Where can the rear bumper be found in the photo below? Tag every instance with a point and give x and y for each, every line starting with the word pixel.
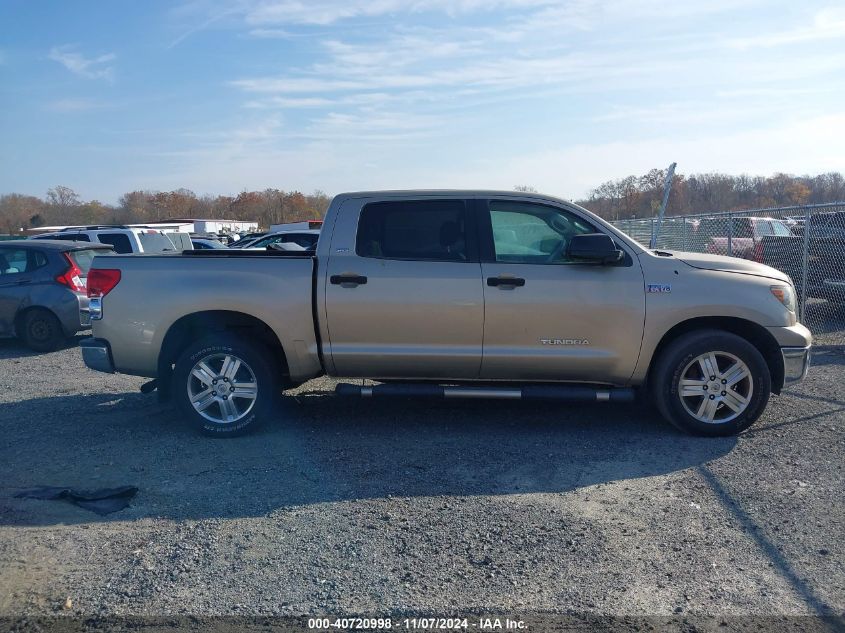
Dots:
pixel 97 354
pixel 796 364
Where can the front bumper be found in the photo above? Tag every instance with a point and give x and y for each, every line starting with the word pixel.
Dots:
pixel 796 364
pixel 97 354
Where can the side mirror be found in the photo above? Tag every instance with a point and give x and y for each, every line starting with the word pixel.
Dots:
pixel 598 248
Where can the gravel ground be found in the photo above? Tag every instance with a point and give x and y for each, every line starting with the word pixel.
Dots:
pixel 415 506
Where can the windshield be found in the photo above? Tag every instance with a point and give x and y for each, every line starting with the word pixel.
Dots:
pixel 155 242
pixel 201 244
pixel 305 240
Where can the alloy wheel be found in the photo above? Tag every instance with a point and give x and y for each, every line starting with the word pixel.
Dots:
pixel 222 388
pixel 716 387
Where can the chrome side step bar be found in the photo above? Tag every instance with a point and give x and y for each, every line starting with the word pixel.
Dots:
pixel 568 393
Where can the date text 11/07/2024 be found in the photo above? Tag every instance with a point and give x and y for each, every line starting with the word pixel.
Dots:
pixel 418 624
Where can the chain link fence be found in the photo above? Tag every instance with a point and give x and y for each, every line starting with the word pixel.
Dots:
pixel 806 242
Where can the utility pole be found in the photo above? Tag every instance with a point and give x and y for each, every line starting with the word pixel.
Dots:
pixel 667 187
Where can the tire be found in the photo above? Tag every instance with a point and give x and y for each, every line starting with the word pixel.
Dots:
pixel 41 331
pixel 215 413
pixel 726 406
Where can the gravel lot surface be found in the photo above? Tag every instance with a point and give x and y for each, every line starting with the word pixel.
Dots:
pixel 343 506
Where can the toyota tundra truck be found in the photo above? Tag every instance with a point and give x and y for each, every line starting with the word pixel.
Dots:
pixel 452 294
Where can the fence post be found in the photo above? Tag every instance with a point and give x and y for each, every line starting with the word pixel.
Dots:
pixel 651 242
pixel 805 263
pixel 684 234
pixel 730 234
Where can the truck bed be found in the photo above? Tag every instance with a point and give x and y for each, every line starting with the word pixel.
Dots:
pixel 156 291
pixel 226 253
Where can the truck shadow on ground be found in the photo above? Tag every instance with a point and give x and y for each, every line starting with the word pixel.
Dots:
pixel 12 348
pixel 323 448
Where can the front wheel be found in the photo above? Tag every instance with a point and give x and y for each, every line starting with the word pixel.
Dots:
pixel 225 384
pixel 711 383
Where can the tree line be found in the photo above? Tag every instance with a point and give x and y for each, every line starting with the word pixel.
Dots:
pixel 641 196
pixel 631 197
pixel 63 206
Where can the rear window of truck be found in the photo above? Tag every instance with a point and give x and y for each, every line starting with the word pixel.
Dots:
pixel 721 227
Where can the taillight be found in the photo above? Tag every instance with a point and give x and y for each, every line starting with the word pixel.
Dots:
pixel 757 255
pixel 101 281
pixel 72 277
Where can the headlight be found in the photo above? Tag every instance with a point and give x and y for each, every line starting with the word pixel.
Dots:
pixel 786 295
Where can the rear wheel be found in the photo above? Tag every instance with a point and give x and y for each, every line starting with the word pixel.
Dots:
pixel 711 383
pixel 225 385
pixel 41 330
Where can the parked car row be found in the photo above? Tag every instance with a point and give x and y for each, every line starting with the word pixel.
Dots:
pixel 122 239
pixel 781 244
pixel 43 279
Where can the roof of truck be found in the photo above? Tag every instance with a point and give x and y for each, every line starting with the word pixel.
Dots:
pixel 463 193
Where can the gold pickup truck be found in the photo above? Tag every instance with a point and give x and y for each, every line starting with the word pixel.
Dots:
pixel 452 294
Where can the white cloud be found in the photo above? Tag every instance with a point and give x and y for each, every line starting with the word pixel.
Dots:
pixel 279 34
pixel 827 24
pixel 421 96
pixel 289 102
pixel 335 165
pixel 90 68
pixel 326 12
pixel 806 146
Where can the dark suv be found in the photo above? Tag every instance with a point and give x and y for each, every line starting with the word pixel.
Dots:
pixel 43 297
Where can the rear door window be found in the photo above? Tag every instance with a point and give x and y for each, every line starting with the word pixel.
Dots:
pixel 781 229
pixel 764 227
pixel 427 230
pixel 155 242
pixel 119 241
pixel 742 227
pixel 14 261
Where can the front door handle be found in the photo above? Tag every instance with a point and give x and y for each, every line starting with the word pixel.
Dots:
pixel 348 279
pixel 505 281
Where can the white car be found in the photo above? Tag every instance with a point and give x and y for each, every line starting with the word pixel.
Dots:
pixel 123 239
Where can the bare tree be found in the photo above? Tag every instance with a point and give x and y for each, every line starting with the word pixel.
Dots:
pixel 63 203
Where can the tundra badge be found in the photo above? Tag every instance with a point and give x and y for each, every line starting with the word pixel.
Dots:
pixel 564 341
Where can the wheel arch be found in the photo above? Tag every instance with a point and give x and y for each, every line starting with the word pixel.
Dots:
pixel 193 326
pixel 755 334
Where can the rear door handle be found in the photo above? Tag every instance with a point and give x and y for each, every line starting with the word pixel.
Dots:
pixel 352 280
pixel 505 281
